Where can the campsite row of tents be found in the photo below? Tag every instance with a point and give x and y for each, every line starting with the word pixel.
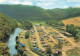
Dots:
pixel 42 36
pixel 34 42
pixel 23 46
pixel 33 39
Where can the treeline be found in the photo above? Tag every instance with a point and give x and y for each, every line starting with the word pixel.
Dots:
pixel 26 24
pixel 60 14
pixel 36 13
pixel 74 31
pixel 7 26
pixel 18 48
pixel 54 23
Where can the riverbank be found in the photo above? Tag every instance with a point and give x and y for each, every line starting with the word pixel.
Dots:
pixel 22 40
pixel 4 49
pixel 12 41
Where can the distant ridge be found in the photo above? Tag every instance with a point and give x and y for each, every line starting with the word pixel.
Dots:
pixel 37 13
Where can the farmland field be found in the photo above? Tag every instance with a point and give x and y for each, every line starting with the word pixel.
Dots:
pixel 75 21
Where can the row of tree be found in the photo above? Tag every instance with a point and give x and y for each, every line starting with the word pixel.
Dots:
pixel 54 22
pixel 19 48
pixel 73 30
pixel 26 24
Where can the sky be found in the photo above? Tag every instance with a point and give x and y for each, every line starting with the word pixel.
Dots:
pixel 46 4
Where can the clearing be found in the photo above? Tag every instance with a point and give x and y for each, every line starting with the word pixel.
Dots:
pixel 75 21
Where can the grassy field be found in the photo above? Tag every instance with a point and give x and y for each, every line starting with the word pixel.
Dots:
pixel 74 52
pixel 41 22
pixel 75 21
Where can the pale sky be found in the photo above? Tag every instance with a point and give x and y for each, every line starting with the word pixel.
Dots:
pixel 47 4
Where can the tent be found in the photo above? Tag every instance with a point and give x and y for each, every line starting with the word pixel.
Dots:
pixel 42 39
pixel 20 43
pixel 34 37
pixel 60 37
pixel 36 48
pixel 23 45
pixel 60 40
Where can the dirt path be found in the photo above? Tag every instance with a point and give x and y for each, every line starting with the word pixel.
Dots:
pixel 38 38
pixel 24 41
pixel 64 54
pixel 65 48
pixel 64 37
pixel 49 35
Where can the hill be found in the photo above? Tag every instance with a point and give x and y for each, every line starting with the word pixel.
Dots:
pixel 7 26
pixel 61 14
pixel 23 12
pixel 74 20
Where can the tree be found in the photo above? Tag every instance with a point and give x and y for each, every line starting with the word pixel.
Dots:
pixel 48 51
pixel 26 24
pixel 77 36
pixel 17 54
pixel 27 34
pixel 16 46
pixel 24 55
pixel 71 29
pixel 17 42
pixel 20 51
pixel 40 24
pixel 16 37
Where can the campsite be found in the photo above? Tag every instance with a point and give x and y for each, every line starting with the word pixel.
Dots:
pixel 39 28
pixel 44 36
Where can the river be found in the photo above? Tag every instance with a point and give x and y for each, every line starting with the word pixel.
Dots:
pixel 12 41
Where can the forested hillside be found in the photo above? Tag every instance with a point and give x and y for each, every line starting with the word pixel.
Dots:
pixel 64 13
pixel 36 13
pixel 7 26
pixel 24 12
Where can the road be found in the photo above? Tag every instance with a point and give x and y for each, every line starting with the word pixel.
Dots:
pixel 38 38
pixel 24 41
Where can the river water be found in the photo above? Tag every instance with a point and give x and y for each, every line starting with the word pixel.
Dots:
pixel 12 41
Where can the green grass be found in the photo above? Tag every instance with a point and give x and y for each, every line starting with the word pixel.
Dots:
pixel 29 43
pixel 74 52
pixel 41 22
